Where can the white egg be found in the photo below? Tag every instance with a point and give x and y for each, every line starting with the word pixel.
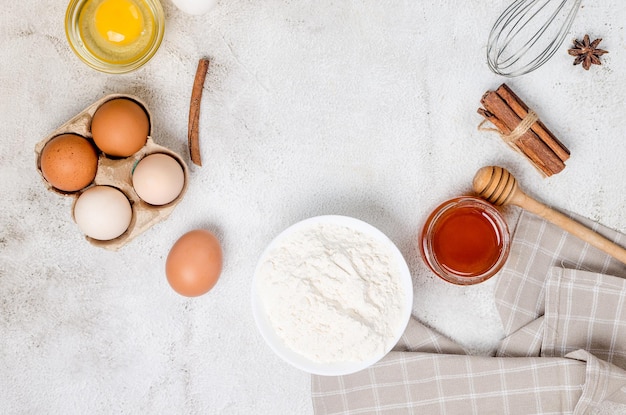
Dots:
pixel 195 7
pixel 102 212
pixel 158 179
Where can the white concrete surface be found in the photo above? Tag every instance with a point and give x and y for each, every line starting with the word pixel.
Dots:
pixel 361 108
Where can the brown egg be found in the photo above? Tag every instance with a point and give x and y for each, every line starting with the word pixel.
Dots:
pixel 69 162
pixel 194 263
pixel 120 127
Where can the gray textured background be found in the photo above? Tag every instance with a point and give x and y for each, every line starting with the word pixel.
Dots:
pixel 360 108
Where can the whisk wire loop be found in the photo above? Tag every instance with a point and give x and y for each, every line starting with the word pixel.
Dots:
pixel 527 34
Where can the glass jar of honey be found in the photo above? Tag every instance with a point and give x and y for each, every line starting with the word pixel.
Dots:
pixel 465 240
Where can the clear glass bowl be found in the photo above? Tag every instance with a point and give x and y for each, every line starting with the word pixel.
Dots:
pixel 111 58
pixel 465 240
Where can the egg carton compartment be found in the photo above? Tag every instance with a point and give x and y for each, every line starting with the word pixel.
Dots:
pixel 117 173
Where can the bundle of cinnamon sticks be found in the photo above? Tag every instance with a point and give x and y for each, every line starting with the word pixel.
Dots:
pixel 522 129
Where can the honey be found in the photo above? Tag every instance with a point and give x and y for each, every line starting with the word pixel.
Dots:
pixel 465 240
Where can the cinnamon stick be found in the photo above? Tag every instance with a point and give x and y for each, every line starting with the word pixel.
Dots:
pixel 529 143
pixel 521 110
pixel 193 131
pixel 494 120
pixel 510 115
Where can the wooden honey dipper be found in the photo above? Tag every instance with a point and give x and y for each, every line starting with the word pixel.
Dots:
pixel 498 186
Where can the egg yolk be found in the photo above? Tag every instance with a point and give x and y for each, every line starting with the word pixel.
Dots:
pixel 119 21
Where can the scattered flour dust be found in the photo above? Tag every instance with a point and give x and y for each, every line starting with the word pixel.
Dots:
pixel 333 294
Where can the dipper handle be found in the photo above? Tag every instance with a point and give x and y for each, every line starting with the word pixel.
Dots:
pixel 499 187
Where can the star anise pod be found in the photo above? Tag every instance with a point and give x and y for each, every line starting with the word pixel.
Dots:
pixel 587 52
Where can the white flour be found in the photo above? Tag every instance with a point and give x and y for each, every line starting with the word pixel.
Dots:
pixel 332 294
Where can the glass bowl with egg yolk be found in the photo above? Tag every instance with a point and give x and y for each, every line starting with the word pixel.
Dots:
pixel 115 36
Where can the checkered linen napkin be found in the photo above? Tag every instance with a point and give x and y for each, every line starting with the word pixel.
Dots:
pixel 563 308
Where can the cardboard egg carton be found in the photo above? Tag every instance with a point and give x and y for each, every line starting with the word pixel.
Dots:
pixel 117 173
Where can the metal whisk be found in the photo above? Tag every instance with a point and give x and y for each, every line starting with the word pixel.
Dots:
pixel 528 33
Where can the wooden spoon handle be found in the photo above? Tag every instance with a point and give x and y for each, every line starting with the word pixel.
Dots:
pixel 564 222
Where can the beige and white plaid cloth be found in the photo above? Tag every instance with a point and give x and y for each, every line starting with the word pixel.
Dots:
pixel 563 308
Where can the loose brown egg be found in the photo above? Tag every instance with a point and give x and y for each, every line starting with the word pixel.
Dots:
pixel 69 162
pixel 120 127
pixel 194 263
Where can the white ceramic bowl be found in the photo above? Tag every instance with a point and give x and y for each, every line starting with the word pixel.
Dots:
pixel 298 360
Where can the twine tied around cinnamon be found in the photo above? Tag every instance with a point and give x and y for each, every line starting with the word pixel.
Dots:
pixel 521 129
